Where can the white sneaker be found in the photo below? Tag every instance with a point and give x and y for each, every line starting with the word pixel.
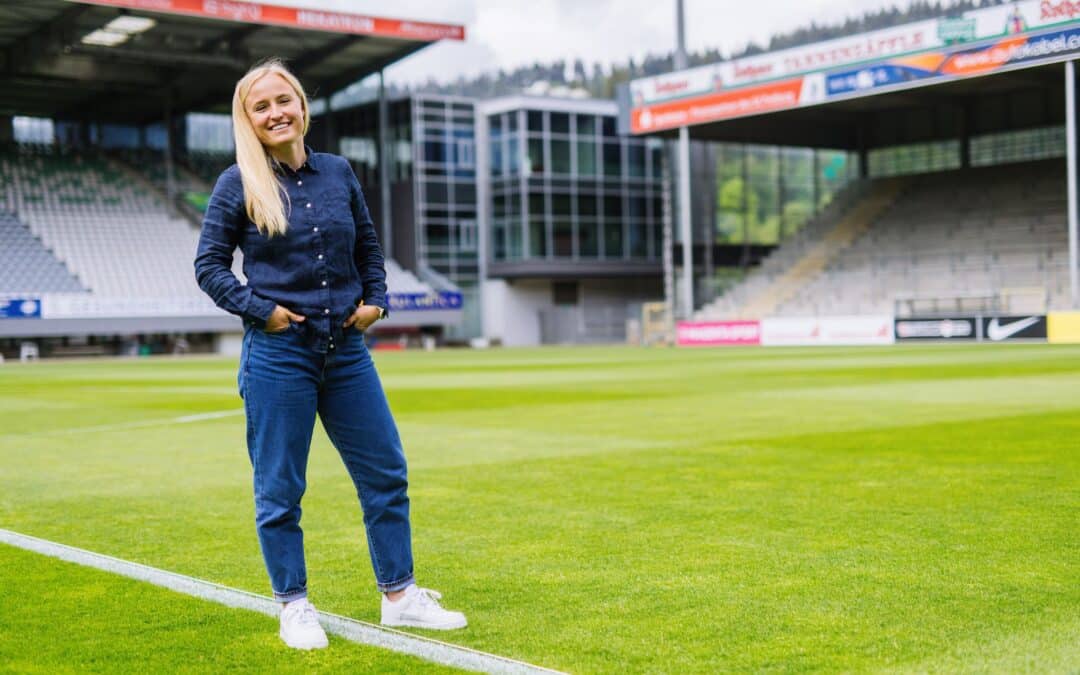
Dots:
pixel 300 627
pixel 419 608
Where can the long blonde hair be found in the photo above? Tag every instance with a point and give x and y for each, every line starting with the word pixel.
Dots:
pixel 263 194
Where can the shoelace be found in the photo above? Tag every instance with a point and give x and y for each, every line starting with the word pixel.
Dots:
pixel 307 615
pixel 428 597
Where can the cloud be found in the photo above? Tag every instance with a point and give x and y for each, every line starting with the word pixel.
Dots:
pixel 510 33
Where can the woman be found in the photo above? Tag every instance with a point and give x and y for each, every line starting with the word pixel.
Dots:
pixel 316 281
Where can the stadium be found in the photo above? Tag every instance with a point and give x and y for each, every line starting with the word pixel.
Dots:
pixel 796 394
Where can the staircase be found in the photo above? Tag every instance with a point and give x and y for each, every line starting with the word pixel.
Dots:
pixel 817 254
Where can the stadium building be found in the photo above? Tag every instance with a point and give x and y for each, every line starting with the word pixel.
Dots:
pixel 962 224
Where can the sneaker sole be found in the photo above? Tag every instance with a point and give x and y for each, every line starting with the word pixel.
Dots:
pixel 419 624
pixel 305 647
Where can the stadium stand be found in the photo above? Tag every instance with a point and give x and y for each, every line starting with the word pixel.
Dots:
pixel 27 266
pixel 975 240
pixel 116 236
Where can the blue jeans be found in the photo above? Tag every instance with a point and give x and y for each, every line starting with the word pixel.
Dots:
pixel 284 383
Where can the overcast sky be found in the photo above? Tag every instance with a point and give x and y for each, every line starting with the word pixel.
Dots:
pixel 509 33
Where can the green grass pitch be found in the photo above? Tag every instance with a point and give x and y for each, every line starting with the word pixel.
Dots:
pixel 904 509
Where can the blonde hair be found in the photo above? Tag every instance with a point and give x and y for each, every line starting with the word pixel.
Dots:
pixel 262 191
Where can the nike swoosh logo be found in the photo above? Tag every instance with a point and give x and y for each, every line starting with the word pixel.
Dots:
pixel 996 331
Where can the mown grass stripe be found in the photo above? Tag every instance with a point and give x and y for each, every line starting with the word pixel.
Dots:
pixel 355 631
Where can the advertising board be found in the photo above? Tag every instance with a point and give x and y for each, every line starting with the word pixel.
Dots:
pixel 717 333
pixel 951 328
pixel 1002 328
pixel 1063 327
pixel 294 17
pixel 976 42
pixel 20 308
pixel 840 330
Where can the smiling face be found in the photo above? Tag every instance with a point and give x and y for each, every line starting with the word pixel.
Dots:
pixel 276 112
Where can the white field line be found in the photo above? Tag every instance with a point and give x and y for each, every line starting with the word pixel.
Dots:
pixel 355 631
pixel 141 424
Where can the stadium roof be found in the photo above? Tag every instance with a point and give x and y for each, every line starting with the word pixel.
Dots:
pixel 981 71
pixel 72 59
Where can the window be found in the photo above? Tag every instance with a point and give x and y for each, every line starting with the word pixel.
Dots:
pixel 587 206
pixel 535 120
pixel 560 123
pixel 435 193
pixel 536 155
pixel 464 153
pixel 465 193
pixel 586 158
pixel 563 238
pixel 612 160
pixel 613 240
pixel 467 235
pixel 560 205
pixel 635 160
pixel 434 151
pixel 613 207
pixel 560 156
pixel 608 126
pixel 564 292
pixel 639 243
pixel 586 125
pixel 537 238
pixel 588 239
pixel 496 158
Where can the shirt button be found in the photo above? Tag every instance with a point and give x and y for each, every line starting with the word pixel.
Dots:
pixel 324 282
pixel 299 182
pixel 309 205
pixel 326 311
pixel 316 229
pixel 320 256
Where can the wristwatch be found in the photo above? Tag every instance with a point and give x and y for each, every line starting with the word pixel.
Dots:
pixel 382 312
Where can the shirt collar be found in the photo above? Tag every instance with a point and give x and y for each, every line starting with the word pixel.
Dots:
pixel 311 163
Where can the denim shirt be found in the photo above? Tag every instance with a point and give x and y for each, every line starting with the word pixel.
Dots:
pixel 327 261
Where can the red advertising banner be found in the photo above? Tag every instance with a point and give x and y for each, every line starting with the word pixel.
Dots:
pixel 294 17
pixel 717 333
pixel 718 106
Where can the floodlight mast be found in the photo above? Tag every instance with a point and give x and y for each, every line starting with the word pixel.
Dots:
pixel 1070 153
pixel 685 231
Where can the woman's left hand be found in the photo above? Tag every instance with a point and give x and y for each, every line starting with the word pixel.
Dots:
pixel 363 317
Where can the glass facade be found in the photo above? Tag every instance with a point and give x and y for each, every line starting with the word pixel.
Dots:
pixel 767 193
pixel 565 186
pixel 445 190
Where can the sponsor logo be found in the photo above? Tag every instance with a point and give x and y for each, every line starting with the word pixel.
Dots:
pixel 236 11
pixel 856 49
pixel 1066 9
pixel 720 333
pixel 20 309
pixel 752 71
pixel 944 328
pixel 956 30
pixel 662 89
pixel 335 22
pixel 996 331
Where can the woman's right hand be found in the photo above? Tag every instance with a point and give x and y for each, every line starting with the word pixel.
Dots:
pixel 280 318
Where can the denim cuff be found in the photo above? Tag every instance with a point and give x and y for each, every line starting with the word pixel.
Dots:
pixel 399 585
pixel 290 595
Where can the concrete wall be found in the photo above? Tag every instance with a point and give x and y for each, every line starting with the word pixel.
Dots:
pixel 513 310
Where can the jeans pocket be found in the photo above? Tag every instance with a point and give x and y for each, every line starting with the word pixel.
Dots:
pixel 286 329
